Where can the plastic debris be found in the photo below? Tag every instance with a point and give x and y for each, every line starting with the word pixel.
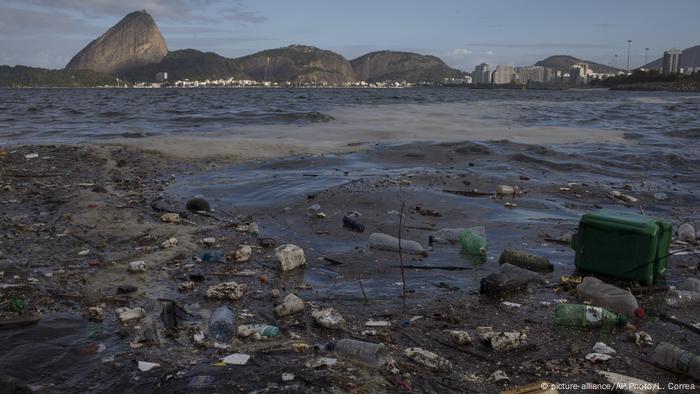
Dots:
pixel 677 359
pixel 227 290
pixel 351 223
pixel 290 256
pixel 96 313
pixel 366 353
pixel 473 241
pixel 236 359
pixel 170 218
pixel 287 377
pixel 525 260
pixel 427 359
pixel 145 366
pixel 258 330
pixel 460 337
pixel 623 197
pixel 641 338
pixel 501 341
pixel 210 241
pixel 242 254
pixel 126 314
pixel 290 304
pixel 169 243
pixel 137 266
pixel 505 190
pixel 329 318
pixel 385 242
pixel 597 357
pixel 601 347
pixel 31 156
pixel 628 384
pixel 499 376
pixel 686 232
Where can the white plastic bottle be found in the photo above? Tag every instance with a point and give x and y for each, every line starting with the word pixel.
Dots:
pixel 609 297
pixel 371 354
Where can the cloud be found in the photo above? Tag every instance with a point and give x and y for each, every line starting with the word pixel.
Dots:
pixel 543 45
pixel 461 52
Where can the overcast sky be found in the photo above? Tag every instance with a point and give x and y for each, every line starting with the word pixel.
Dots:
pixel 47 33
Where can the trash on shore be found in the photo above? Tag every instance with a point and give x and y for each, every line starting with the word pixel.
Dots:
pixel 677 359
pixel 623 197
pixel 473 241
pixel 576 315
pixel 170 217
pixel 236 359
pixel 597 357
pixel 525 260
pixel 460 337
pixel 511 279
pixel 329 318
pixel 96 313
pixel 169 243
pixel 227 290
pixel 686 232
pixel 601 347
pixel 366 353
pixel 290 304
pixel 290 256
pixel 258 330
pixel 145 366
pixel 385 242
pixel 642 338
pixel 137 267
pixel 610 297
pixel 501 341
pixel 241 255
pixel 506 190
pixel 321 362
pixel 628 384
pixel 499 376
pixel 427 359
pixel 222 324
pixel 126 314
pixel 351 223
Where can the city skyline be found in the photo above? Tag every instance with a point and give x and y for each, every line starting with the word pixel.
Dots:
pixel 46 33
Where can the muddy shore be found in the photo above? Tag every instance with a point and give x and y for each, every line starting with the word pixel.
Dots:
pixel 73 217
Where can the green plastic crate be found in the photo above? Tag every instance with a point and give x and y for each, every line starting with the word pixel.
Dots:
pixel 622 245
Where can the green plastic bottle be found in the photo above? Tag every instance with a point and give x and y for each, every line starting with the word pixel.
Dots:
pixel 577 315
pixel 473 241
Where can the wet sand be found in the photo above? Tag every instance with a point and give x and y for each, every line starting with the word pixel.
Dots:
pixel 50 214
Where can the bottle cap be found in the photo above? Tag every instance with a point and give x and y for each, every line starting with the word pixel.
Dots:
pixel 640 313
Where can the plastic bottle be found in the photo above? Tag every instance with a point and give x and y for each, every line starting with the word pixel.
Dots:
pixel 689 284
pixel 264 330
pixel 686 232
pixel 221 324
pixel 609 297
pixel 367 353
pixel 678 298
pixel 446 236
pixel 381 241
pixel 473 241
pixel 525 260
pixel 531 276
pixel 677 359
pixel 577 315
pixel 505 190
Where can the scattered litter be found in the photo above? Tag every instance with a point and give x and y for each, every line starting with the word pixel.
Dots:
pixel 628 384
pixel 257 330
pixel 126 314
pixel 509 304
pixel 137 266
pixel 321 362
pixel 525 260
pixel 427 359
pixel 236 359
pixel 686 232
pixel 227 290
pixel 211 241
pixel 351 223
pixel 84 252
pixel 242 254
pixel 31 156
pixel 329 318
pixel 505 190
pixel 186 286
pixel 291 304
pixel 498 377
pixel 287 377
pixel 501 341
pixel 623 197
pixel 145 366
pixel 96 313
pixel 601 347
pixel 169 243
pixel 385 242
pixel 460 337
pixel 377 323
pixel 642 338
pixel 290 256
pixel 170 217
pixel 597 357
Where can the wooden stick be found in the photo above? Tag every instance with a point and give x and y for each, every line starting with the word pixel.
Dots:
pixel 403 273
pixel 363 290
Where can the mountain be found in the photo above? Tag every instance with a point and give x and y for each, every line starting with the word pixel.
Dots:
pixel 22 76
pixel 188 64
pixel 563 63
pixel 401 66
pixel 134 41
pixel 297 63
pixel 690 58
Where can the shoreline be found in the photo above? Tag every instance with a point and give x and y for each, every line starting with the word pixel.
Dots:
pixel 56 215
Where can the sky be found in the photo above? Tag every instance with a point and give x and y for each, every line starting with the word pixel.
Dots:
pixel 47 33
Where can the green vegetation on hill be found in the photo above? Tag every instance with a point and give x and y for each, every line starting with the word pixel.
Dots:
pixel 652 80
pixel 187 64
pixel 563 63
pixel 384 66
pixel 22 77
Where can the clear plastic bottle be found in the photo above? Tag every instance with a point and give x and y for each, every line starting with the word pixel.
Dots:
pixel 473 241
pixel 677 359
pixel 381 241
pixel 367 353
pixel 222 324
pixel 608 296
pixel 577 315
pixel 678 298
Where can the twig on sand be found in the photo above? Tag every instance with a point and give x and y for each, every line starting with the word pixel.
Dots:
pixel 363 289
pixel 403 273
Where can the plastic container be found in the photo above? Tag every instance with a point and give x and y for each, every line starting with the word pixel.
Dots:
pixel 677 359
pixel 623 245
pixel 679 298
pixel 576 315
pixel 450 236
pixel 222 324
pixel 386 242
pixel 525 260
pixel 531 276
pixel 609 297
pixel 264 330
pixel 367 353
pixel 473 241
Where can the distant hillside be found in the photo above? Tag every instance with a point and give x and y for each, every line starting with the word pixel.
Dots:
pixel 133 42
pixel 401 66
pixel 563 63
pixel 297 63
pixel 188 64
pixel 690 58
pixel 22 76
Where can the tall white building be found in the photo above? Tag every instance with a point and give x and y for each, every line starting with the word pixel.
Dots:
pixel 530 74
pixel 672 61
pixel 579 73
pixel 503 75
